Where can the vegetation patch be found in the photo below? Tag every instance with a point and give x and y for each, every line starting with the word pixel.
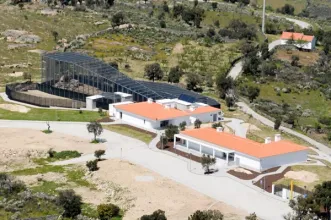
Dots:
pixel 77 176
pixel 48 187
pixel 132 132
pixel 40 169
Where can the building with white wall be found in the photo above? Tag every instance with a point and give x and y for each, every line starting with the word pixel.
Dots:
pixel 229 149
pixel 299 40
pixel 159 114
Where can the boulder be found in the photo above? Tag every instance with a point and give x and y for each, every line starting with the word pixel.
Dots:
pixel 286 90
pixel 99 23
pixel 48 12
pixel 277 89
pixel 29 38
pixel 307 113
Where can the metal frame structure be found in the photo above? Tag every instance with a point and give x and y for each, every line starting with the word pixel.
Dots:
pixel 98 77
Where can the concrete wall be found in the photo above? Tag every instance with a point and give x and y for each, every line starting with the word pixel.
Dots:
pixel 205 117
pixel 307 46
pixel 279 160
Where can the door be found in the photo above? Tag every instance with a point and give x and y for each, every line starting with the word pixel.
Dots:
pixel 215 117
pixel 121 114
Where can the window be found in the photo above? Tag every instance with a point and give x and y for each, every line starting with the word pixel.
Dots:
pixel 144 121
pixel 121 114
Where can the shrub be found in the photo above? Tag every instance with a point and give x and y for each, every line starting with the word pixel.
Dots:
pixel 163 141
pixel 92 165
pixel 107 211
pixel 156 215
pixel 66 154
pixel 197 123
pixel 163 24
pixel 325 120
pixel 70 202
pixel 278 122
pixel 206 215
pixel 10 186
pixel 51 153
pixel 99 153
pixel 182 126
pixel 216 125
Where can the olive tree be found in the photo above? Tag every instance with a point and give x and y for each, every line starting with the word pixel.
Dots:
pixel 95 128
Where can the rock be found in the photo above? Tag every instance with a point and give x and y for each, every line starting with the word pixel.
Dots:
pixel 299 86
pixel 286 90
pixel 299 107
pixel 13 34
pixel 38 51
pixel 99 23
pixel 30 38
pixel 307 113
pixel 277 89
pixel 20 36
pixel 48 12
pixel 16 46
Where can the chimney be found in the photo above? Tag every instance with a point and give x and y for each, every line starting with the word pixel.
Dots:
pixel 149 100
pixel 267 140
pixel 192 108
pixel 278 137
pixel 219 129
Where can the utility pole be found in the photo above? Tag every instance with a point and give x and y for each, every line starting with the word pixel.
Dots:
pixel 263 18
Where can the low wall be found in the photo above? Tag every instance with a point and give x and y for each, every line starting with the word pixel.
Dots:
pixel 40 101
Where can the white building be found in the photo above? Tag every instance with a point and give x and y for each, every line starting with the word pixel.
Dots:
pixel 300 40
pixel 229 149
pixel 163 112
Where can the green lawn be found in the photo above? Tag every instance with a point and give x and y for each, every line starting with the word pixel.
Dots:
pixel 40 169
pixel 48 187
pixel 131 132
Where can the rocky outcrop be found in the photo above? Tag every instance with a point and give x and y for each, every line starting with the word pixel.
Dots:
pixel 20 36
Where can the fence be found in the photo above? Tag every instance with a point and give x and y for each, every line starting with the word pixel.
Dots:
pixel 41 101
pixel 284 191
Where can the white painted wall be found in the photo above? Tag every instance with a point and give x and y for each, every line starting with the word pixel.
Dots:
pixel 248 162
pixel 90 104
pixel 279 160
pixel 138 121
pixel 177 121
pixel 205 117
pixel 307 46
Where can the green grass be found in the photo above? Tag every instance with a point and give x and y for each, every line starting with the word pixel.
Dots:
pixel 131 132
pixel 77 176
pixel 39 170
pixel 225 17
pixel 89 210
pixel 324 174
pixel 49 115
pixel 48 187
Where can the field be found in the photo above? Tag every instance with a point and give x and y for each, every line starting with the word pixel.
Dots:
pixel 306 58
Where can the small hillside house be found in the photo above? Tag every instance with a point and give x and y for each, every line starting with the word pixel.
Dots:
pixel 301 41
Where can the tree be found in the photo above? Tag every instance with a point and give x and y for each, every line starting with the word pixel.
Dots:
pixel 206 162
pixel 170 131
pixel 110 3
pixel 163 141
pixel 21 5
pixel 295 60
pixel 252 216
pixel 207 215
pixel 117 19
pixel 199 14
pixel 229 101
pixel 182 126
pixel 95 128
pixel 322 195
pixel 193 82
pixel 214 5
pixel 165 7
pixel 196 2
pixel 269 68
pixel 153 71
pixel 217 23
pixel 264 50
pixel 177 10
pixel 92 165
pixel 223 84
pixel 253 93
pixel 156 215
pixel 70 202
pixel 99 153
pixel 197 123
pixel 175 74
pixel 278 122
pixel 303 209
pixel 55 35
pixel 107 211
pixel 163 24
pixel 286 9
pixel 211 32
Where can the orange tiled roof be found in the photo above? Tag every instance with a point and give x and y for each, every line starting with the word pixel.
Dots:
pixel 296 36
pixel 157 111
pixel 243 145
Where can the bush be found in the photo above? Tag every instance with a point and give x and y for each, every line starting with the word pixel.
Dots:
pixel 277 124
pixel 51 153
pixel 107 211
pixel 163 141
pixel 197 123
pixel 10 186
pixel 157 215
pixel 325 120
pixel 216 125
pixel 67 154
pixel 70 202
pixel 92 165
pixel 163 24
pixel 99 153
pixel 182 126
pixel 206 215
pixel 171 131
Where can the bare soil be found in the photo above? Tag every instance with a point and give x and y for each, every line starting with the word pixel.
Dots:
pixel 306 58
pixel 15 108
pixel 144 191
pixel 303 176
pixel 42 94
pixel 20 146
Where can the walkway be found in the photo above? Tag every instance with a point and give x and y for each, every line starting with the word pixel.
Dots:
pixel 171 166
